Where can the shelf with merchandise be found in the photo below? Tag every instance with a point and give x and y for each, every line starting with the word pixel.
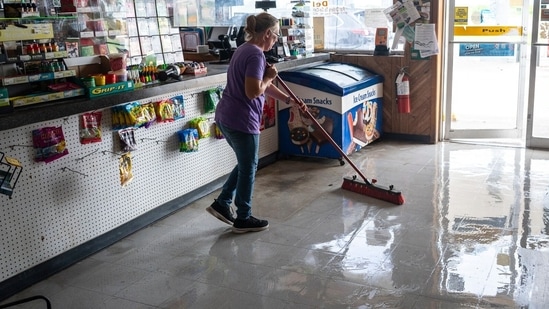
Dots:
pixel 33 68
pixel 20 8
pixel 300 33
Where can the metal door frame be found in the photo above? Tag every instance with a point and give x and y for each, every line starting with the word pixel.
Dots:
pixel 531 141
pixel 448 133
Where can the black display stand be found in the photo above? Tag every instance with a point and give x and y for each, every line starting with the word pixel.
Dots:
pixel 381 50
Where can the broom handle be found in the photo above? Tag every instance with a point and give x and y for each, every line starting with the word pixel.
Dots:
pixel 330 139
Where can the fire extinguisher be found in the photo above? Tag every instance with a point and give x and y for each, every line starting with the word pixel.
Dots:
pixel 403 92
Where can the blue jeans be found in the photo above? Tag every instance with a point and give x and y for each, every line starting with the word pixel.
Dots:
pixel 240 184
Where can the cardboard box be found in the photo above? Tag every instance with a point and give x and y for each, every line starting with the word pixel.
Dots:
pixel 196 71
pixel 318 25
pixel 88 66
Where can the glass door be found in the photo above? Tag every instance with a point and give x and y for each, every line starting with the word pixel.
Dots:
pixel 486 69
pixel 537 132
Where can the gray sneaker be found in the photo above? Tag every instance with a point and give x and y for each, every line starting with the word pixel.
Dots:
pixel 220 212
pixel 249 225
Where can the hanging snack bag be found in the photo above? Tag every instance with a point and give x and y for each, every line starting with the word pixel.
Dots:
pixel 49 144
pixel 211 98
pixel 164 111
pixel 118 117
pixel 127 137
pixel 217 132
pixel 178 107
pixel 188 140
pixel 134 115
pixel 202 125
pixel 125 168
pixel 149 114
pixel 90 128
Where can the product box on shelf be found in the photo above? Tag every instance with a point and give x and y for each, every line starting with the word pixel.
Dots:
pixel 196 71
pixel 4 98
pixel 46 97
pixel 99 91
pixel 23 79
pixel 89 65
pixel 195 68
pixel 28 32
pixel 100 68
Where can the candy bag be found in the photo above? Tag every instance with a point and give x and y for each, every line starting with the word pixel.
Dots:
pixel 125 168
pixel 90 128
pixel 127 137
pixel 49 144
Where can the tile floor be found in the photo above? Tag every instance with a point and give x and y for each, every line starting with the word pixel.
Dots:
pixel 473 233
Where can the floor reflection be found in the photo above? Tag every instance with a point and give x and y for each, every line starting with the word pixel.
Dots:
pixel 473 233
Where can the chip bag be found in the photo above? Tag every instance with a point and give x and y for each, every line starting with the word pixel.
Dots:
pixel 125 168
pixel 211 98
pixel 90 128
pixel 188 140
pixel 201 125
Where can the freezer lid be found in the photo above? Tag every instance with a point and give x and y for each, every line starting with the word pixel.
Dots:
pixel 336 78
pixel 352 73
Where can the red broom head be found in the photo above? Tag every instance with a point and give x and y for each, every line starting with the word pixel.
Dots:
pixel 376 191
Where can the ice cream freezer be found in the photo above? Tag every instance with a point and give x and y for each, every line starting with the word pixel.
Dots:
pixel 345 99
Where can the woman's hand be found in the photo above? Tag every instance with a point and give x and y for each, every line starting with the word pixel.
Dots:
pixel 302 106
pixel 270 72
pixel 255 88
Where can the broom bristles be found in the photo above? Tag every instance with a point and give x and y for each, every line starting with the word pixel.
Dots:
pixel 376 191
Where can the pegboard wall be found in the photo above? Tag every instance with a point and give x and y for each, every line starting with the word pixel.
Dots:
pixel 60 205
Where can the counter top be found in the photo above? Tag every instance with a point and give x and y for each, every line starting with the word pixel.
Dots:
pixel 25 115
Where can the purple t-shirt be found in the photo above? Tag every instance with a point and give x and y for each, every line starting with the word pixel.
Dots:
pixel 235 110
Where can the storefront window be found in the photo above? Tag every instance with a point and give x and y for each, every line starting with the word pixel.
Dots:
pixel 348 25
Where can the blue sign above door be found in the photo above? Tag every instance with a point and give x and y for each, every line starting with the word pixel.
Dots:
pixel 487 49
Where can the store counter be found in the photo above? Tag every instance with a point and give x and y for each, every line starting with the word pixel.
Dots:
pixel 21 116
pixel 97 193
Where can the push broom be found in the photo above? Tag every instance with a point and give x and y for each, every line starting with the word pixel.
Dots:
pixel 364 187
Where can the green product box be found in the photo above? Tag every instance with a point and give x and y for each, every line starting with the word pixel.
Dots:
pixel 4 99
pixel 86 51
pixel 108 89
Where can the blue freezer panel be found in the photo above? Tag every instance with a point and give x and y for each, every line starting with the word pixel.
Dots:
pixel 335 78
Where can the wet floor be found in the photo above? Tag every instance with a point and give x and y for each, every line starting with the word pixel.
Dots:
pixel 473 233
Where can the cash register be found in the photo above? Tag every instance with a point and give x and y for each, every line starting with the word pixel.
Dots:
pixel 222 42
